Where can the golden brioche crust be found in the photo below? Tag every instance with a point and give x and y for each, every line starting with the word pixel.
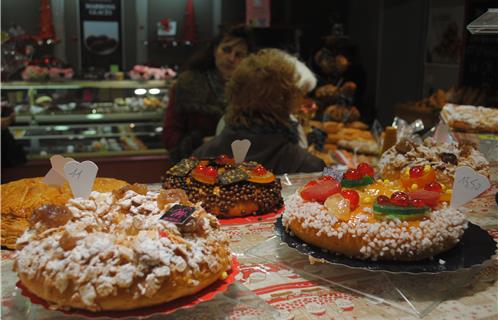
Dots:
pixel 364 236
pixel 350 246
pixel 181 286
pixel 21 197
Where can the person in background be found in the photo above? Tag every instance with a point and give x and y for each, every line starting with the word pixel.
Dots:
pixel 197 100
pixel 262 94
pixel 306 82
pixel 12 153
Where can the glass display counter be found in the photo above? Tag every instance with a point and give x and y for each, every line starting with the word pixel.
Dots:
pixel 107 120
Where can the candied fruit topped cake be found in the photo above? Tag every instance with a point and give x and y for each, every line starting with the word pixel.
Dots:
pixel 443 157
pixel 404 219
pixel 225 188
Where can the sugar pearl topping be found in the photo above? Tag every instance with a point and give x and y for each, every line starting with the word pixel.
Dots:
pixel 118 243
pixel 381 237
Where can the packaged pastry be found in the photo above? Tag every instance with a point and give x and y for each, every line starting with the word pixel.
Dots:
pixel 225 188
pixel 124 250
pixel 377 220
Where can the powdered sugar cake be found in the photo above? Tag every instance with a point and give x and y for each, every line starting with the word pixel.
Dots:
pixel 471 118
pixel 95 254
pixel 443 157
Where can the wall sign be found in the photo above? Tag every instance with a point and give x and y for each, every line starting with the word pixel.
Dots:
pixel 100 25
pixel 258 13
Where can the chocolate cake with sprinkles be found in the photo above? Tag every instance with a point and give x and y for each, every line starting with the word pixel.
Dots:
pixel 226 189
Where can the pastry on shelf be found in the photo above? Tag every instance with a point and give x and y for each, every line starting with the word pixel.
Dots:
pixel 443 157
pixel 325 154
pixel 21 197
pixel 132 143
pixel 376 220
pixel 357 125
pixel 225 188
pixel 360 146
pixel 342 113
pixel 332 126
pixel 121 250
pixel 471 118
pixel 328 90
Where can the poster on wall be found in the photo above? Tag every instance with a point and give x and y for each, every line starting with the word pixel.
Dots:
pixel 445 34
pixel 100 25
pixel 258 13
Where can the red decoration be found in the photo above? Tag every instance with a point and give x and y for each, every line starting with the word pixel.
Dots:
pixel 251 219
pixel 189 27
pixel 165 23
pixel 47 31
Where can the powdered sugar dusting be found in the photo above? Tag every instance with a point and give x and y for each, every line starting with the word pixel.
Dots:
pixel 118 243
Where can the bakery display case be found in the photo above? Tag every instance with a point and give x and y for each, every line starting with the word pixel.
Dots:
pixel 103 120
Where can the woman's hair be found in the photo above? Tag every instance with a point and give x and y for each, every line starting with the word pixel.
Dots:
pixel 264 90
pixel 204 59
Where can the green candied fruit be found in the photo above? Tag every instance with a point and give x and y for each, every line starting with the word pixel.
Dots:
pixel 398 211
pixel 415 216
pixel 182 168
pixel 365 181
pixel 232 176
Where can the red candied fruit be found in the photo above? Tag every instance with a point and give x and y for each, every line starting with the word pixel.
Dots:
pixel 433 186
pixel 401 199
pixel 326 178
pixel 311 183
pixel 163 234
pixel 320 190
pixel 224 159
pixel 416 172
pixel 383 200
pixel 365 170
pixel 211 171
pixel 200 168
pixel 353 197
pixel 352 174
pixel 259 171
pixel 417 203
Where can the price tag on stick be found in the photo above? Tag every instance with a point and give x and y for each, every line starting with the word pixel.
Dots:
pixel 53 178
pixel 468 184
pixel 239 149
pixel 442 133
pixel 81 177
pixel 55 175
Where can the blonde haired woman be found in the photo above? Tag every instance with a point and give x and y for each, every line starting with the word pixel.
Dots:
pixel 264 90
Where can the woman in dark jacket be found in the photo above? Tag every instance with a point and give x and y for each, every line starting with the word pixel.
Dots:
pixel 197 99
pixel 262 93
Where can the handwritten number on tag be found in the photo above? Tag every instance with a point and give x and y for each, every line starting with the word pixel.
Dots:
pixel 76 173
pixel 470 183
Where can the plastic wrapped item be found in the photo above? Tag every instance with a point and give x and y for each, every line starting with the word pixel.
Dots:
pixel 408 131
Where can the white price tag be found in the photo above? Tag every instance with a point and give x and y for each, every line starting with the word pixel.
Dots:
pixel 55 176
pixel 442 133
pixel 468 184
pixel 81 177
pixel 240 149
